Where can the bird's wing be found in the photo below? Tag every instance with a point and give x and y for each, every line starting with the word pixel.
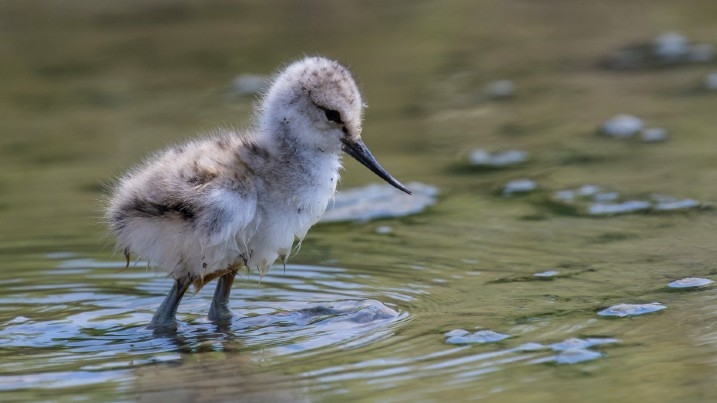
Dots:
pixel 227 215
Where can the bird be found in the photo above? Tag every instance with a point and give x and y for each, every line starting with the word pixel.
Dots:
pixel 233 199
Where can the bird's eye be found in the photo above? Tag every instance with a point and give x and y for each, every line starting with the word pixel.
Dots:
pixel 333 116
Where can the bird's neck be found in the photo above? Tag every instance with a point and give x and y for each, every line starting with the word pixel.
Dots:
pixel 298 164
pixel 287 140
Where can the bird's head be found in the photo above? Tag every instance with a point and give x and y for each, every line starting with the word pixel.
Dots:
pixel 315 102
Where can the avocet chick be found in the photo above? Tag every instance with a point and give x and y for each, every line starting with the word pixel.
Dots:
pixel 204 209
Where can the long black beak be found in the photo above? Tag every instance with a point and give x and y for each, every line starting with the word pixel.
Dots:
pixel 361 153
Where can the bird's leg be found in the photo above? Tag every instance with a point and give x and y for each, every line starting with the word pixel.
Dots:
pixel 165 316
pixel 219 310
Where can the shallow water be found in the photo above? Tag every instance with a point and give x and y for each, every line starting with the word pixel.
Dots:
pixel 389 310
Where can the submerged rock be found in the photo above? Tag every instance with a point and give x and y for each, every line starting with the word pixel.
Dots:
pixel 622 310
pixel 499 159
pixel 379 201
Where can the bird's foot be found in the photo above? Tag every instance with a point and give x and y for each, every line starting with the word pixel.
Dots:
pixel 163 327
pixel 220 315
pixel 219 311
pixel 165 318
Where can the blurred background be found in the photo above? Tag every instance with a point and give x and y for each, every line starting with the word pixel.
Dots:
pixel 571 144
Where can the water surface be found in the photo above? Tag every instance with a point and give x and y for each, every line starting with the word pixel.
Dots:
pixel 365 311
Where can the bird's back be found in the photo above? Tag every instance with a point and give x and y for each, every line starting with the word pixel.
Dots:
pixel 185 209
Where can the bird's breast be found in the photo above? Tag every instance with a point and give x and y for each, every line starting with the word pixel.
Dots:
pixel 312 197
pixel 289 206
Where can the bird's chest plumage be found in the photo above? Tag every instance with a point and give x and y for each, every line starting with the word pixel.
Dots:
pixel 311 194
pixel 287 211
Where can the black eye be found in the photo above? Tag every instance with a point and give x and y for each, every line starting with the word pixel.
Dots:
pixel 333 116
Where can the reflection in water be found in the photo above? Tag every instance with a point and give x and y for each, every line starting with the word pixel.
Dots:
pixel 298 315
pixel 216 378
pixel 294 313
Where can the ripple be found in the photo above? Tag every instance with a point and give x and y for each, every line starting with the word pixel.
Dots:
pixel 460 336
pixel 575 343
pixel 576 355
pixel 461 363
pixel 59 379
pixel 306 309
pixel 596 201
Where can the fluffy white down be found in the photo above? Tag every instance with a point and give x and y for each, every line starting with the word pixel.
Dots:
pixel 257 225
pixel 242 198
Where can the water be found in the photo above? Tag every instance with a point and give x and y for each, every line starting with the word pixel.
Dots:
pixel 362 313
